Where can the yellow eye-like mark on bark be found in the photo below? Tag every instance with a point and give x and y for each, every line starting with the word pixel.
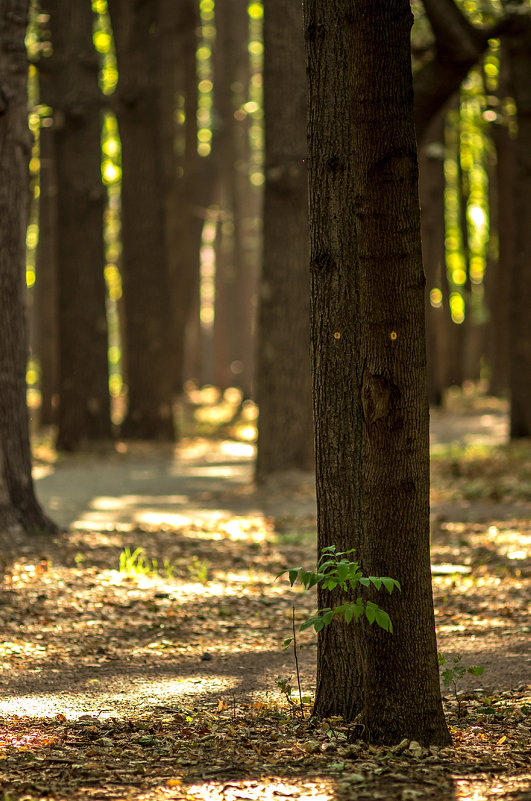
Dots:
pixel 337 335
pixel 393 335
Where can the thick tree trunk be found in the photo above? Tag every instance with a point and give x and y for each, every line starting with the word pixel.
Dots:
pixel 369 366
pixel 285 433
pixel 144 263
pixel 519 51
pixel 84 405
pixel 17 498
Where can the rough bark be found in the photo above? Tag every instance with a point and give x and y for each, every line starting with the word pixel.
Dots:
pixel 73 92
pixel 17 497
pixel 283 381
pixel 519 52
pixel 369 366
pixel 144 263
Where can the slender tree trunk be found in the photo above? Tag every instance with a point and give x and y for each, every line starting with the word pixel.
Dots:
pixel 369 365
pixel 84 408
pixel 431 192
pixel 183 184
pixel 519 51
pixel 285 433
pixel 144 264
pixel 499 281
pixel 17 498
pixel 46 289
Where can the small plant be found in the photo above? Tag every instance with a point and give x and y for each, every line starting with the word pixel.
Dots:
pixel 451 676
pixel 334 569
pixel 134 563
pixel 198 570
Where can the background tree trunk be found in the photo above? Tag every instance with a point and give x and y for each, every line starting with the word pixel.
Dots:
pixel 519 52
pixel 369 367
pixel 150 365
pixel 84 406
pixel 285 433
pixel 17 497
pixel 46 289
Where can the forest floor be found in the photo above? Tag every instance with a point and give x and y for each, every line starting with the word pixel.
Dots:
pixel 159 673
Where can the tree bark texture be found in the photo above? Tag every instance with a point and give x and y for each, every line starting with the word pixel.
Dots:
pixel 17 498
pixel 150 365
pixel 369 365
pixel 74 94
pixel 285 433
pixel 519 52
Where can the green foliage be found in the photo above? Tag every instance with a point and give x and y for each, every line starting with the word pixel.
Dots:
pixel 198 570
pixel 135 563
pixel 335 570
pixel 452 675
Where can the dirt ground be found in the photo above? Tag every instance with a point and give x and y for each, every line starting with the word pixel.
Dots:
pixel 188 629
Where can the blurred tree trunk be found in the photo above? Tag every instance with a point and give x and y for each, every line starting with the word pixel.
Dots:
pixel 46 289
pixel 74 94
pixel 431 192
pixel 519 52
pixel 150 365
pixel 499 271
pixel 184 182
pixel 229 148
pixel 18 503
pixel 285 432
pixel 369 364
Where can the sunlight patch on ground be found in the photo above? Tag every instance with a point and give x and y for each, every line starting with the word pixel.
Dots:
pixel 162 691
pixel 257 790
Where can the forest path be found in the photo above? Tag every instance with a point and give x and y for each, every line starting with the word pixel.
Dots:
pixel 200 478
pixel 150 673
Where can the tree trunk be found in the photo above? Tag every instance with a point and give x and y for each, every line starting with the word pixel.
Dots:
pixel 519 51
pixel 144 263
pixel 183 184
pixel 17 498
pixel 84 404
pixel 431 190
pixel 46 289
pixel 369 365
pixel 499 280
pixel 285 433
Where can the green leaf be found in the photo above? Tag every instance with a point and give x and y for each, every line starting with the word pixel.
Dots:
pixel 343 570
pixel 390 584
pixel 348 614
pixel 293 574
pixel 305 576
pixel 287 643
pixel 448 677
pixel 476 670
pixel 370 611
pixel 319 623
pixel 364 581
pixel 376 581
pixel 328 617
pixel 441 659
pixel 383 620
